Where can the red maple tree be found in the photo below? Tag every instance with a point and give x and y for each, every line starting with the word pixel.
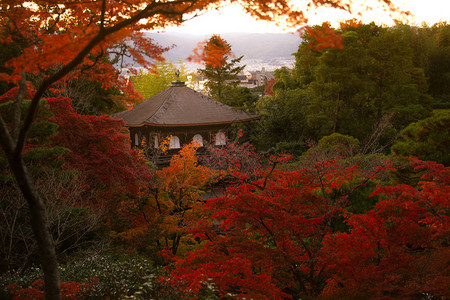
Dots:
pixel 99 146
pixel 399 249
pixel 273 229
pixel 282 237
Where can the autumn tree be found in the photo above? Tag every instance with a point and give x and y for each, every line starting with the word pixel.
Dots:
pixel 303 234
pixel 270 233
pixel 234 161
pixel 74 36
pixel 74 183
pixel 268 88
pixel 399 249
pixel 164 211
pixel 70 179
pixel 221 70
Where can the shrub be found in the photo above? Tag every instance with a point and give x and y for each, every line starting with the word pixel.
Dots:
pixel 427 139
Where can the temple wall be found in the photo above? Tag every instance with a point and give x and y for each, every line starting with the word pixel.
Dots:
pixel 143 137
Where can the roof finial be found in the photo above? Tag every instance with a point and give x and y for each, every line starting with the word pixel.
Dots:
pixel 177 82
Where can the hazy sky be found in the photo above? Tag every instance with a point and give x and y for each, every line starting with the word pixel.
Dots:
pixel 233 19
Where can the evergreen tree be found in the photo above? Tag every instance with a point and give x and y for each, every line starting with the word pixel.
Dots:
pixel 427 139
pixel 221 70
pixel 355 86
pixel 341 88
pixel 439 71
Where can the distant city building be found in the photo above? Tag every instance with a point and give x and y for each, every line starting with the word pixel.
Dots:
pixel 251 79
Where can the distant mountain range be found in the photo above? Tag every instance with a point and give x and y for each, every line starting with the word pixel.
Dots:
pixel 269 50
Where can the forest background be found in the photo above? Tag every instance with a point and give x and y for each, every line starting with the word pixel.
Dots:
pixel 349 212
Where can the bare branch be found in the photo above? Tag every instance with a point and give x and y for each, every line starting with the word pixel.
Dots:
pixel 372 145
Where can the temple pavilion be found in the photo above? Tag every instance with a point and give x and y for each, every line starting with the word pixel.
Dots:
pixel 184 114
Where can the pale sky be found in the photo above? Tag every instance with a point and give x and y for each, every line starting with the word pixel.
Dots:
pixel 233 19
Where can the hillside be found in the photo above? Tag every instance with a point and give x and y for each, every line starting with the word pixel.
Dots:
pixel 270 50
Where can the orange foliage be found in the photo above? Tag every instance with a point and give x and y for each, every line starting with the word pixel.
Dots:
pixel 322 37
pixel 273 227
pixel 55 33
pixel 170 206
pixel 348 24
pixel 212 52
pixel 64 36
pixel 164 145
pixel 281 237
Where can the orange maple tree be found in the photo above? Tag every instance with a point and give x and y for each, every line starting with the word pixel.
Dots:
pixel 212 52
pixel 165 211
pixel 268 90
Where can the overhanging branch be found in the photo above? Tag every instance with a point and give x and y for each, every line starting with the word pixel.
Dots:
pixel 150 10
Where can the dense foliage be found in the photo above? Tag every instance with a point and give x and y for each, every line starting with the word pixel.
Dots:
pixel 296 235
pixel 320 227
pixel 362 80
pixel 427 139
pixel 81 189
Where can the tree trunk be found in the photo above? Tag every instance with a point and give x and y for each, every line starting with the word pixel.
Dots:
pixel 38 215
pixel 38 220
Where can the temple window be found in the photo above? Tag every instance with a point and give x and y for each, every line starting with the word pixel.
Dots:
pixel 174 142
pixel 199 139
pixel 136 139
pixel 155 141
pixel 220 139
